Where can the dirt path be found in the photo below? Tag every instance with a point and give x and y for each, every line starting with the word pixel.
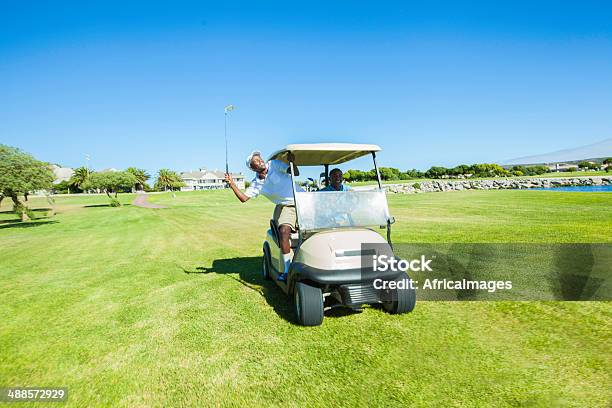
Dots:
pixel 142 201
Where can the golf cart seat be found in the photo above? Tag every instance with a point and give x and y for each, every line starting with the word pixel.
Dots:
pixel 294 240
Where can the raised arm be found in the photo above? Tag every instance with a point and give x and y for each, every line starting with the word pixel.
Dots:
pixel 239 194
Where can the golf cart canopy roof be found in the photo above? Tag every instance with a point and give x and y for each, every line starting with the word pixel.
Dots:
pixel 313 154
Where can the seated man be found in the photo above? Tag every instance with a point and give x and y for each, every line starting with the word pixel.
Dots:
pixel 335 182
pixel 273 180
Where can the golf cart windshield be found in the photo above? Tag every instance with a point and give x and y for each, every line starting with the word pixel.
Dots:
pixel 339 209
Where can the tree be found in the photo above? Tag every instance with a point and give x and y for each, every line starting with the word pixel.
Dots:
pixel 20 174
pixel 141 176
pixel 519 171
pixel 529 171
pixel 537 170
pixel 388 173
pixel 168 180
pixel 585 165
pixel 436 172
pixel 349 175
pixel 354 175
pixel 414 173
pixel 488 170
pixel 111 182
pixel 608 163
pixel 62 187
pixel 80 176
pixel 460 170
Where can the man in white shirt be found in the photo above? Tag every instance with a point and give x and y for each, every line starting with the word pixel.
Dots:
pixel 273 180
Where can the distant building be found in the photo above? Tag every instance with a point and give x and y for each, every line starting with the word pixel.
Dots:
pixel 203 179
pixel 61 173
pixel 562 167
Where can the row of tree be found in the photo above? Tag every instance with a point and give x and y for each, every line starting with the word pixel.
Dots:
pixel 114 182
pixel 587 165
pixel 386 173
pixel 437 172
pixel 463 171
pixel 21 174
pixel 132 179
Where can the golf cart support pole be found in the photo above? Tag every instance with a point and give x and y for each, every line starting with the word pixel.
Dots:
pixel 380 188
pixel 326 175
pixel 377 172
pixel 297 221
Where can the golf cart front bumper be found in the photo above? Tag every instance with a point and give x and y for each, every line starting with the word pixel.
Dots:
pixel 353 287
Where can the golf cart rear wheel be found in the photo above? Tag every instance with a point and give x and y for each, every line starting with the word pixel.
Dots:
pixel 403 301
pixel 265 264
pixel 308 304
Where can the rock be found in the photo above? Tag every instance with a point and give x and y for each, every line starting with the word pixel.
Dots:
pixel 496 184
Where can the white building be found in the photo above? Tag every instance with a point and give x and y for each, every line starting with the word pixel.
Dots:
pixel 203 179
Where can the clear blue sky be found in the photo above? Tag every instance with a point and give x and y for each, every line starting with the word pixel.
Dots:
pixel 434 83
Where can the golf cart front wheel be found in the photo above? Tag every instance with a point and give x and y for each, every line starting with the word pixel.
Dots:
pixel 265 267
pixel 308 305
pixel 403 300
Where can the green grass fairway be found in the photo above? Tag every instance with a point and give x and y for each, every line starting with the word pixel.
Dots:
pixel 142 307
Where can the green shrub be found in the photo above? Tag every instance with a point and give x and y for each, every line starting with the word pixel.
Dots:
pixel 417 186
pixel 115 203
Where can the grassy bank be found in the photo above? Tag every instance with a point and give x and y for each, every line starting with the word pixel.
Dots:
pixel 132 306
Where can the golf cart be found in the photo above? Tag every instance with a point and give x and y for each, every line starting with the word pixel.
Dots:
pixel 329 268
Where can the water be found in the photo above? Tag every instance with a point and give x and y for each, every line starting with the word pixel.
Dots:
pixel 590 189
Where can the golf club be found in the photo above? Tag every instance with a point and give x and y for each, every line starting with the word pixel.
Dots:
pixel 228 108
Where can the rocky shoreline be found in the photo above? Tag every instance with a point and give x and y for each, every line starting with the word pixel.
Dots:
pixel 496 184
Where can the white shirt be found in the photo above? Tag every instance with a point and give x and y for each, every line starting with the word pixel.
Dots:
pixel 276 186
